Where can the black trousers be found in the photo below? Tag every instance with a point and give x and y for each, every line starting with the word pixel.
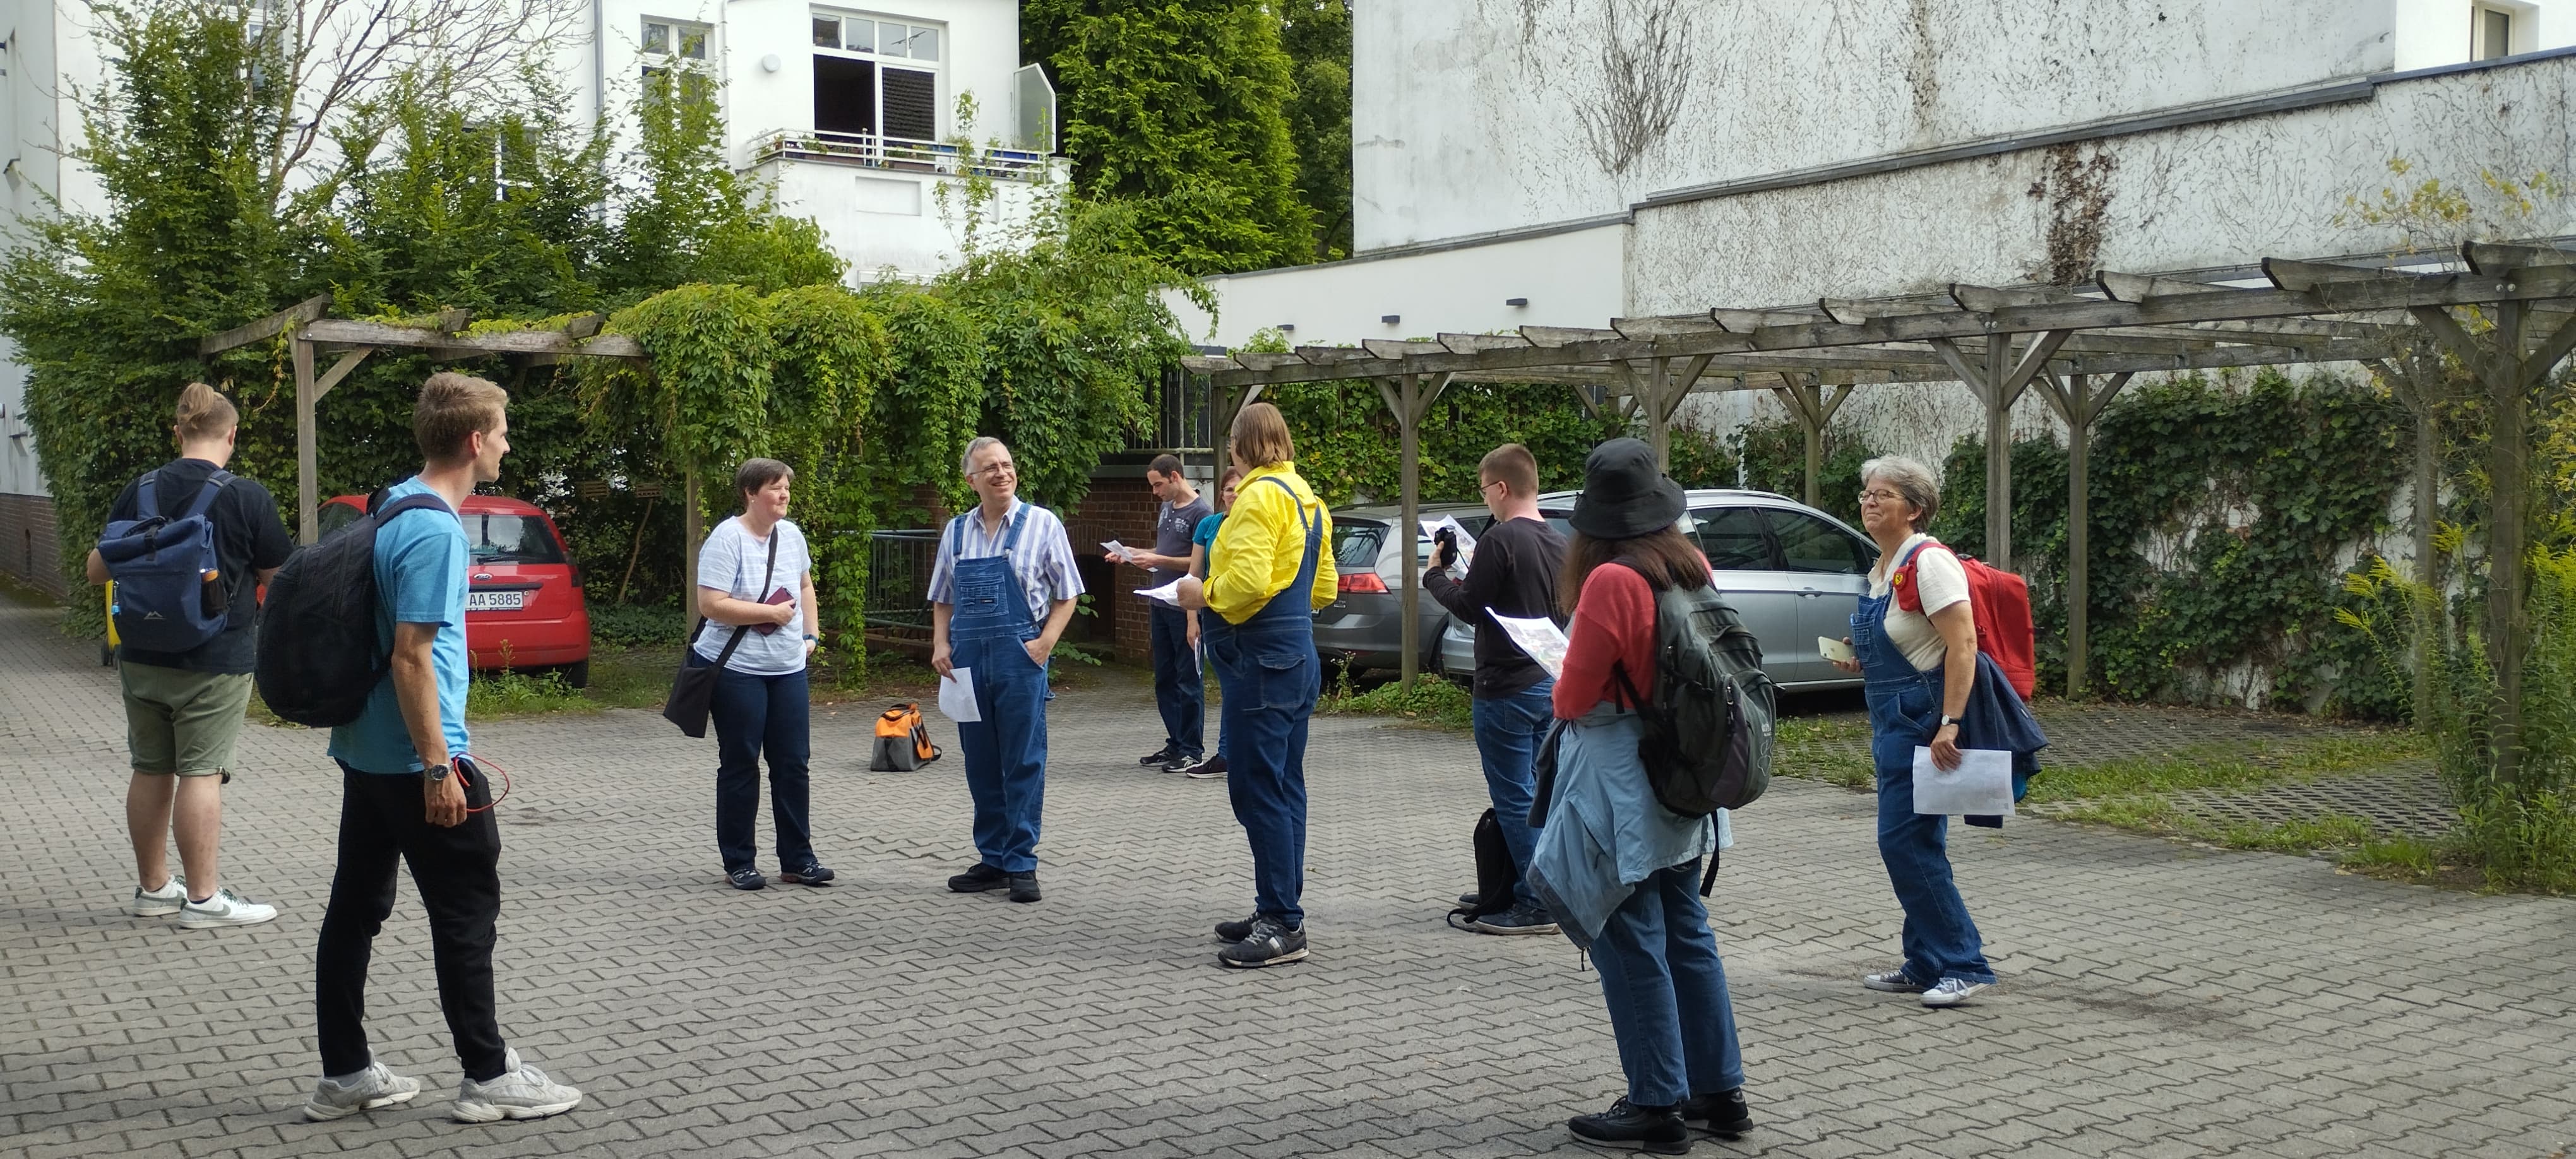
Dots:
pixel 458 873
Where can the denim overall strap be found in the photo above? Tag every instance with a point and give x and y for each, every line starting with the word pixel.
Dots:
pixel 989 600
pixel 1282 611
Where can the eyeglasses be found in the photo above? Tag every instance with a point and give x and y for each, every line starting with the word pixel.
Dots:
pixel 1880 496
pixel 1491 485
pixel 996 470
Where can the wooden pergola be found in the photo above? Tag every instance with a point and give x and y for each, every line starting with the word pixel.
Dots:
pixel 2079 346
pixel 441 335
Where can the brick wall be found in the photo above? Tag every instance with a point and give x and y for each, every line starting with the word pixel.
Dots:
pixel 1122 509
pixel 29 551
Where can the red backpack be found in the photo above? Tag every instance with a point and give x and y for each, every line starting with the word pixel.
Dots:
pixel 2000 601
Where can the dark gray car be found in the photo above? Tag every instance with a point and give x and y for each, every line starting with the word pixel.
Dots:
pixel 1366 618
pixel 1792 572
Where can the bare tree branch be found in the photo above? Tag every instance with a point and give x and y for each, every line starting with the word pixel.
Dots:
pixel 1646 76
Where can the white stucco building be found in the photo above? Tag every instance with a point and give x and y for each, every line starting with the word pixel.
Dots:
pixel 1565 162
pixel 846 111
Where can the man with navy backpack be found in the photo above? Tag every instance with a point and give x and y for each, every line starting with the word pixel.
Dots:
pixel 184 654
pixel 406 794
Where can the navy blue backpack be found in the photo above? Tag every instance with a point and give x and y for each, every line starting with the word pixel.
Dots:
pixel 170 589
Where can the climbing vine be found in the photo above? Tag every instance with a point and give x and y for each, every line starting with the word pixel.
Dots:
pixel 2222 522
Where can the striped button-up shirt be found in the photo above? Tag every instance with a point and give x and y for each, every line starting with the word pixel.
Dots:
pixel 1043 562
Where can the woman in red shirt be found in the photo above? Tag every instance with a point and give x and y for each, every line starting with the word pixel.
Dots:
pixel 1616 867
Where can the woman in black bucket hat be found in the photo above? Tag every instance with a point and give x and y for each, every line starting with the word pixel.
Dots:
pixel 1614 865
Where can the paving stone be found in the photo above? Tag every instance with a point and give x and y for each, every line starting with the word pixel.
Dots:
pixel 2159 1000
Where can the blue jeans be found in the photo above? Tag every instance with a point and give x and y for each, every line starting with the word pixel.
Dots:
pixel 1666 989
pixel 1180 692
pixel 1508 729
pixel 1270 682
pixel 1940 939
pixel 1006 751
pixel 753 716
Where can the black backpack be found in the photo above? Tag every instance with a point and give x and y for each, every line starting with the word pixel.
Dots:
pixel 318 655
pixel 1497 879
pixel 1708 734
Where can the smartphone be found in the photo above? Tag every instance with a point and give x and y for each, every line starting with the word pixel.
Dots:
pixel 1836 649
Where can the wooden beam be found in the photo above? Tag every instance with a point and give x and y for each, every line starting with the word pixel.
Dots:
pixel 1389 348
pixel 451 320
pixel 339 370
pixel 268 327
pixel 2496 259
pixel 307 488
pixel 1475 343
pixel 1330 355
pixel 1556 336
pixel 352 332
pixel 1665 326
pixel 1204 364
pixel 1264 360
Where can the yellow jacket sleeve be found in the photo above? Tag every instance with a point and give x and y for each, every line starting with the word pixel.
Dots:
pixel 1263 543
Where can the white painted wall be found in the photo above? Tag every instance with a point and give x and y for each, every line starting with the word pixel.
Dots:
pixel 1468 114
pixel 2431 33
pixel 1574 278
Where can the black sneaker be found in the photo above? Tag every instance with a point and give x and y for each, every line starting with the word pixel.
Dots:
pixel 1232 932
pixel 1159 756
pixel 1024 886
pixel 1520 919
pixel 978 878
pixel 1268 943
pixel 1722 1113
pixel 1183 764
pixel 747 878
pixel 814 873
pixel 1625 1124
pixel 1206 770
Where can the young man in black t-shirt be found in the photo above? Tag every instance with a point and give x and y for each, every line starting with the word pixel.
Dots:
pixel 1514 573
pixel 183 710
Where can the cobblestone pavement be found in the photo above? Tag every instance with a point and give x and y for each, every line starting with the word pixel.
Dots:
pixel 2158 1000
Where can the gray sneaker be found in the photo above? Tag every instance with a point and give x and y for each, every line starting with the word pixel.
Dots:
pixel 376 1086
pixel 1894 981
pixel 226 908
pixel 521 1092
pixel 1952 992
pixel 162 902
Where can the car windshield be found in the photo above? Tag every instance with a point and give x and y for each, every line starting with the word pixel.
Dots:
pixel 511 539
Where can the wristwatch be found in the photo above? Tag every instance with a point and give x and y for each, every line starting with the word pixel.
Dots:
pixel 1947 721
pixel 436 771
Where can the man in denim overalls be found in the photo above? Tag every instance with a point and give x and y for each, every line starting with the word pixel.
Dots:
pixel 1001 592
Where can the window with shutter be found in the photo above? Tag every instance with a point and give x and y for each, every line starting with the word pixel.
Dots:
pixel 845 95
pixel 911 104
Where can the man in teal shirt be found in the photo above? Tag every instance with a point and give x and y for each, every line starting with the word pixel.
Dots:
pixel 407 796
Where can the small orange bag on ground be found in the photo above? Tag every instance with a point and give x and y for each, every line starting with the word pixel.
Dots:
pixel 903 742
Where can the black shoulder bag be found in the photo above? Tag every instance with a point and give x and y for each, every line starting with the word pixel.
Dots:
pixel 694 689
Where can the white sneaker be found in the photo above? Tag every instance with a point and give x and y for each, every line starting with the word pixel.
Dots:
pixel 162 902
pixel 521 1092
pixel 226 908
pixel 376 1086
pixel 1952 992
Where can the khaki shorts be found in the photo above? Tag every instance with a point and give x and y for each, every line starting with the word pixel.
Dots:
pixel 182 722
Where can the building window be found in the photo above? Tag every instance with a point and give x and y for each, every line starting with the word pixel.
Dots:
pixel 2491 32
pixel 875 77
pixel 675 38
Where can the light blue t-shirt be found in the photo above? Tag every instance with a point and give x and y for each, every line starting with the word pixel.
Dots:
pixel 421 561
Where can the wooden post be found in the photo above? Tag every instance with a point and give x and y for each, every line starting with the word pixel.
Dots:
pixel 2079 407
pixel 1410 398
pixel 693 527
pixel 2508 372
pixel 307 470
pixel 1805 397
pixel 1997 380
pixel 2416 379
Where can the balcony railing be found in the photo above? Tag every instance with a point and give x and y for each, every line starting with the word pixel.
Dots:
pixel 896 153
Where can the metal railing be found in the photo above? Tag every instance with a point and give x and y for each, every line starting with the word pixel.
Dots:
pixel 898 153
pixel 898 601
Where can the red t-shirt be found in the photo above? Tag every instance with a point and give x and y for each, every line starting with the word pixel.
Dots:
pixel 1614 619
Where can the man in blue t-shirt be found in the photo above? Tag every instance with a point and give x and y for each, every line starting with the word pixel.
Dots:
pixel 405 794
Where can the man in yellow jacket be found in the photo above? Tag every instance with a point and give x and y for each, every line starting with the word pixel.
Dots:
pixel 1276 544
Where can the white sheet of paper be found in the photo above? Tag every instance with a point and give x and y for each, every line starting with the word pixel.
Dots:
pixel 1120 550
pixel 957 696
pixel 1538 636
pixel 1466 542
pixel 1167 594
pixel 1980 787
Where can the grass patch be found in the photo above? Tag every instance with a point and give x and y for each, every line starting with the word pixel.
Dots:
pixel 1822 748
pixel 2226 767
pixel 515 693
pixel 1431 703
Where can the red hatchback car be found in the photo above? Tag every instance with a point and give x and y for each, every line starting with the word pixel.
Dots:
pixel 523 608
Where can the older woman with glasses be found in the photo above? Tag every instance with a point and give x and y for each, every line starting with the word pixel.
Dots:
pixel 1919 669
